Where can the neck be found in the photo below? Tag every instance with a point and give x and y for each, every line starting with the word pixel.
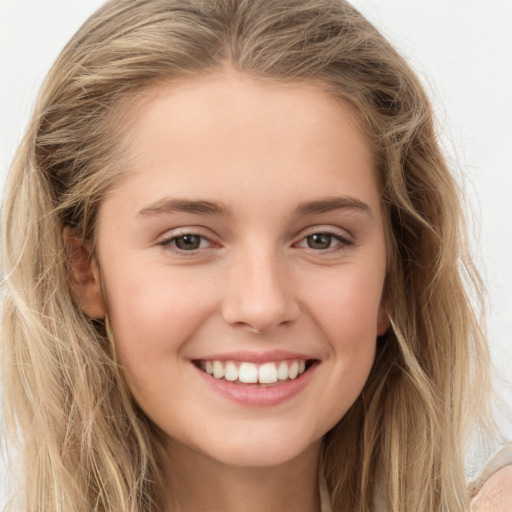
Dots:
pixel 198 483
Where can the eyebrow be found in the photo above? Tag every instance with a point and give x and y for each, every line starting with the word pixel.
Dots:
pixel 203 207
pixel 169 205
pixel 331 203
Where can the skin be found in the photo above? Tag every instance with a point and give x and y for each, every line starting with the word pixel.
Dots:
pixel 259 151
pixel 496 494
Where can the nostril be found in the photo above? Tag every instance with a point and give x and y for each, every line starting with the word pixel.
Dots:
pixel 260 320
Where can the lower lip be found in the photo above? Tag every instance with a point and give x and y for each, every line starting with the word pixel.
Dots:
pixel 258 396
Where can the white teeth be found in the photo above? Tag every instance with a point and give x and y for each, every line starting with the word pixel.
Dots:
pixel 218 370
pixel 293 371
pixel 282 372
pixel 231 373
pixel 250 373
pixel 268 373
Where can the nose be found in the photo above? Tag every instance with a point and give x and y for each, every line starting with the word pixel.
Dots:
pixel 259 295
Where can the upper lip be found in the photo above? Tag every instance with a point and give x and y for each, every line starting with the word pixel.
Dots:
pixel 256 357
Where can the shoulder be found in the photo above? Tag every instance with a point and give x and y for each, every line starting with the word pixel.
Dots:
pixel 496 493
pixel 493 489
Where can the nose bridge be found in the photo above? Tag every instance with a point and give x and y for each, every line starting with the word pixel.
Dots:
pixel 260 292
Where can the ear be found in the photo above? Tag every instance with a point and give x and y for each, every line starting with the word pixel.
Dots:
pixel 384 318
pixel 85 276
pixel 382 322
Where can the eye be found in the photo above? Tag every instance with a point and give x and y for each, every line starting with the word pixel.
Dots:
pixel 187 242
pixel 323 241
pixel 320 241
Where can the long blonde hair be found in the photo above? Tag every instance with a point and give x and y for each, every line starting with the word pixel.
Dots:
pixel 86 445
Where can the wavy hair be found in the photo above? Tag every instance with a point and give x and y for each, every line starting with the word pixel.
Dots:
pixel 86 446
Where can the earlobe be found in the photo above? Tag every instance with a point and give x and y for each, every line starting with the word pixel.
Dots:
pixel 386 311
pixel 382 326
pixel 85 276
pixel 383 321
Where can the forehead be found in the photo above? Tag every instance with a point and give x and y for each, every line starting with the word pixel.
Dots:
pixel 202 133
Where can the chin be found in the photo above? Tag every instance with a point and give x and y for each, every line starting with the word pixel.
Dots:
pixel 250 450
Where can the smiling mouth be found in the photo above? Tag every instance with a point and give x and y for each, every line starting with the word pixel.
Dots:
pixel 245 372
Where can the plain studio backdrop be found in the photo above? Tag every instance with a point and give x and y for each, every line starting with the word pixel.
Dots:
pixel 460 48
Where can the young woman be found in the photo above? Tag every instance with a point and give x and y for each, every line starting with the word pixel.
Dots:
pixel 236 274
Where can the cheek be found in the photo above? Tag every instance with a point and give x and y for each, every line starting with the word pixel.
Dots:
pixel 346 305
pixel 152 319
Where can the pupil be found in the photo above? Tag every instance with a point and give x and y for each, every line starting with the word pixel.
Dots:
pixel 188 242
pixel 319 241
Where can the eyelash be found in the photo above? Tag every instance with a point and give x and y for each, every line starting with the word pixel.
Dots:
pixel 343 242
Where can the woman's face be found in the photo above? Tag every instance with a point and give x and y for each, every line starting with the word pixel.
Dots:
pixel 242 261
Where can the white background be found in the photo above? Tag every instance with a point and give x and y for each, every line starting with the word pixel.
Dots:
pixel 462 49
